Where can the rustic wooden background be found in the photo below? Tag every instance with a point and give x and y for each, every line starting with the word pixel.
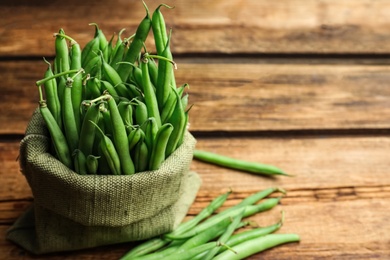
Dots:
pixel 300 84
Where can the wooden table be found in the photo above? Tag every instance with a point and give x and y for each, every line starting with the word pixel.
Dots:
pixel 302 85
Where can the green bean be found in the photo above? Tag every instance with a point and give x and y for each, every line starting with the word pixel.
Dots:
pixel 135 46
pixel 251 234
pixel 112 76
pixel 92 163
pixel 149 94
pixel 225 161
pixel 118 51
pixel 87 133
pixel 159 29
pixel 93 88
pixel 257 245
pixel 141 155
pixel 225 236
pixel 107 86
pixel 249 210
pixel 103 167
pixel 165 77
pixel 62 52
pixel 169 106
pixel 135 135
pixel 145 248
pixel 153 71
pixel 120 137
pixel 61 85
pixel 53 102
pixel 126 111
pixel 159 145
pixel 80 163
pixel 90 51
pixel 206 212
pixel 109 152
pixel 103 44
pixel 179 122
pixel 141 113
pixel 68 118
pixel 77 87
pixel 93 66
pixel 208 234
pixel 151 130
pixel 184 254
pixel 57 137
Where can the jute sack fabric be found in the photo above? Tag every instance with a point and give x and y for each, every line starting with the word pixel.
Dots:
pixel 72 211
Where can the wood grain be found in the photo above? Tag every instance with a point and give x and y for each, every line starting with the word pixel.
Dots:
pixel 319 198
pixel 256 26
pixel 245 96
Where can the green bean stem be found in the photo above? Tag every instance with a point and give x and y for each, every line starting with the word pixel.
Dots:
pixel 120 137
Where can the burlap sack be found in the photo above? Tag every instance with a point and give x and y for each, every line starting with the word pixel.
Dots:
pixel 72 211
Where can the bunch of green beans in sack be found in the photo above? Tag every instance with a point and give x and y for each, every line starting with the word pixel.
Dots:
pixel 111 108
pixel 107 154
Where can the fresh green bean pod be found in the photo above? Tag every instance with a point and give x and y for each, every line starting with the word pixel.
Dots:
pixel 90 50
pixel 53 102
pixel 68 118
pixel 126 111
pixel 77 87
pixel 141 113
pixel 151 130
pixel 118 51
pixel 135 46
pixel 93 88
pixel 169 106
pixel 153 71
pixel 149 94
pixel 109 152
pixel 135 136
pixel 107 86
pixel 57 137
pixel 159 146
pixel 120 137
pixel 145 248
pixel 93 66
pixel 80 162
pixel 225 236
pixel 141 155
pixel 112 76
pixel 103 43
pixel 257 245
pixel 165 77
pixel 250 234
pixel 87 133
pixel 159 29
pixel 228 162
pixel 62 52
pixel 179 121
pixel 92 164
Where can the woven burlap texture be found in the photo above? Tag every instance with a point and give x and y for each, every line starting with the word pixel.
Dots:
pixel 72 211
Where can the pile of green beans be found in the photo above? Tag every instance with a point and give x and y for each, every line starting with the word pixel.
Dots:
pixel 112 107
pixel 218 234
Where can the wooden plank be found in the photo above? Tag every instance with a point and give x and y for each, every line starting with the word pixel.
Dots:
pixel 244 96
pixel 258 26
